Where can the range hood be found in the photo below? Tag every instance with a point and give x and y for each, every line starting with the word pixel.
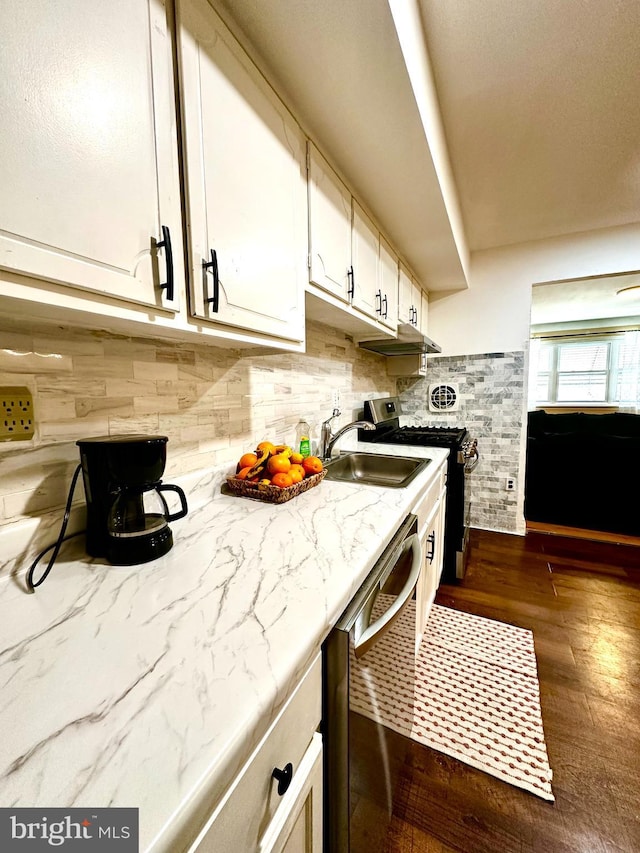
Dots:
pixel 409 342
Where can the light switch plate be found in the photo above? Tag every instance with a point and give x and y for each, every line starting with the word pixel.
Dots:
pixel 17 421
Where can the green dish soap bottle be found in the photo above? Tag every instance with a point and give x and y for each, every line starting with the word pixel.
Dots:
pixel 303 444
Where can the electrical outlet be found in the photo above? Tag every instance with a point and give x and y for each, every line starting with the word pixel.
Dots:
pixel 335 399
pixel 17 422
pixel 510 484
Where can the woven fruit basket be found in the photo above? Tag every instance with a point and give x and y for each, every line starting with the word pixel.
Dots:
pixel 273 494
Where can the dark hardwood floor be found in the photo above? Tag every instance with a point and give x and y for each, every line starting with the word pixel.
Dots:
pixel 582 602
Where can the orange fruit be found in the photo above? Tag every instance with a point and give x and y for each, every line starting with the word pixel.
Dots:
pixel 242 473
pixel 296 472
pixel 247 460
pixel 266 445
pixel 278 464
pixel 282 480
pixel 312 465
pixel 296 458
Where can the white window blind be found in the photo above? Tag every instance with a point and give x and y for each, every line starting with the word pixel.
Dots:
pixel 628 371
pixel 582 372
pixel 594 369
pixel 583 358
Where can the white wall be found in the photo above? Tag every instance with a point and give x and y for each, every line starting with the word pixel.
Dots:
pixel 493 314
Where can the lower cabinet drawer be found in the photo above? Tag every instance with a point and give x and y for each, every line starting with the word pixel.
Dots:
pixel 245 813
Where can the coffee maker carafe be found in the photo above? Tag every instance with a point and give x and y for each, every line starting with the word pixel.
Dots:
pixel 127 514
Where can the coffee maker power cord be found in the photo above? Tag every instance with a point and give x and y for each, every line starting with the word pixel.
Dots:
pixel 58 543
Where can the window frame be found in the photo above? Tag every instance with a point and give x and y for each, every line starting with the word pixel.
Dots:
pixel 553 374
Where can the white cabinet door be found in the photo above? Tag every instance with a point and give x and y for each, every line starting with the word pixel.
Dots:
pixel 409 298
pixel 329 227
pixel 424 313
pixel 245 167
pixel 296 826
pixel 388 267
pixel 438 526
pixel 88 151
pixel 428 581
pixel 365 250
pixel 430 511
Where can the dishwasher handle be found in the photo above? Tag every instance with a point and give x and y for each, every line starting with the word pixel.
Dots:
pixel 372 634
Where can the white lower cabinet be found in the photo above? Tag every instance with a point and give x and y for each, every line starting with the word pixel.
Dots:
pixel 297 824
pixel 245 167
pixel 430 510
pixel 253 815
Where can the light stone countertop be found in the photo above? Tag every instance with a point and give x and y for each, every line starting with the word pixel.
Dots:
pixel 150 686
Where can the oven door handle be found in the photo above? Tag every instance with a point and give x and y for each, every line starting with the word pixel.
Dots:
pixel 372 634
pixel 473 464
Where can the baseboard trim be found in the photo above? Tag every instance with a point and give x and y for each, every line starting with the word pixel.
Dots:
pixel 577 533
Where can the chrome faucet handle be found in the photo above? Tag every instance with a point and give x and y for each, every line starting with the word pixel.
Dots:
pixel 325 433
pixel 327 449
pixel 326 425
pixel 336 414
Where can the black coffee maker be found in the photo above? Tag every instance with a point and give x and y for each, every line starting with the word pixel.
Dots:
pixel 127 515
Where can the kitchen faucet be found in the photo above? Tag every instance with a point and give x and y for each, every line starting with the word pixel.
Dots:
pixel 328 440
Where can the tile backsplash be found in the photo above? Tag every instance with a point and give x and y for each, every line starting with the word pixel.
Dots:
pixel 212 403
pixel 492 404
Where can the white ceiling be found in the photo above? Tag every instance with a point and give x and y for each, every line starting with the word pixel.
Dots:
pixel 589 299
pixel 539 102
pixel 541 106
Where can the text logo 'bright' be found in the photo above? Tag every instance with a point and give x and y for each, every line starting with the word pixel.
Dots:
pixel 112 830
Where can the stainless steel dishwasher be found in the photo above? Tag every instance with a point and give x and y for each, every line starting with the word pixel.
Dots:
pixel 368 698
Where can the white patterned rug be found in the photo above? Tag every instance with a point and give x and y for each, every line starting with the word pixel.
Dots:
pixel 476 695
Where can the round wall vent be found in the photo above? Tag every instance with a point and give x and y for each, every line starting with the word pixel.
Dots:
pixel 443 397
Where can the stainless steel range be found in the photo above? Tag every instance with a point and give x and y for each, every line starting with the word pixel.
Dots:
pixel 463 458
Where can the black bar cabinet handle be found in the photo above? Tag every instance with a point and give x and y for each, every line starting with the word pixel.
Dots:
pixel 283 777
pixel 431 539
pixel 351 287
pixel 385 303
pixel 213 266
pixel 379 302
pixel 165 244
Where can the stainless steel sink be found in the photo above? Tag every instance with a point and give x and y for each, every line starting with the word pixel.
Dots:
pixel 374 469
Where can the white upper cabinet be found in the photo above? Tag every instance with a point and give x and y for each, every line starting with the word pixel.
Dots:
pixel 329 227
pixel 353 271
pixel 424 313
pixel 409 298
pixel 365 250
pixel 388 277
pixel 245 167
pixel 88 154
